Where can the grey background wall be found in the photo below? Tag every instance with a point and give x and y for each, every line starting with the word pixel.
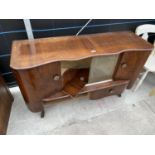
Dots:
pixel 13 29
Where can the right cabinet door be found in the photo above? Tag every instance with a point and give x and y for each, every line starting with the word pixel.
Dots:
pixel 130 65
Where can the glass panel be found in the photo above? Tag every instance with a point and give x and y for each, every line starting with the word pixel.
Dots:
pixel 102 68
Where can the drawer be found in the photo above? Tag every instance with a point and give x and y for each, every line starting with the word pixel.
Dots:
pixel 112 89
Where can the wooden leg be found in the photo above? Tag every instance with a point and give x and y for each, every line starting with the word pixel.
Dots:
pixel 119 95
pixel 42 113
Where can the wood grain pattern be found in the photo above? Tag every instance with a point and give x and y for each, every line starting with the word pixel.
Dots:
pixel 6 100
pixel 110 90
pixel 130 65
pixel 48 50
pixel 90 89
pixel 37 65
pixel 38 83
pixel 77 82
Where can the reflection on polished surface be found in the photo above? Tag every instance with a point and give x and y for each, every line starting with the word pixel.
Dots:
pixel 42 51
pixel 102 68
pixel 56 68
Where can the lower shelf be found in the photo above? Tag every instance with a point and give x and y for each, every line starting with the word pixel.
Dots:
pixel 96 90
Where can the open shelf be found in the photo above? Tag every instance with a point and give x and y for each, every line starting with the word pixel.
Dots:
pixel 88 88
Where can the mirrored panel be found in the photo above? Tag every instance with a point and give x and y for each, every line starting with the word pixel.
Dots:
pixel 102 68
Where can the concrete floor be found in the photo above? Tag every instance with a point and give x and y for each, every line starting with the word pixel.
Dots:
pixel 133 113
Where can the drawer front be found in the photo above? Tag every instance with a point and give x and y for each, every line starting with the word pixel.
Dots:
pixel 111 90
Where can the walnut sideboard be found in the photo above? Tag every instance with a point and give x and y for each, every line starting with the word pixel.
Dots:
pixel 56 68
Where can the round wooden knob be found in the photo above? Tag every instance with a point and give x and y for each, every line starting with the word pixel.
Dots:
pixel 56 77
pixel 111 91
pixel 82 78
pixel 124 65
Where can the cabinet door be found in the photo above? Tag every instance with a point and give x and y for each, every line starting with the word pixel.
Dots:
pixel 5 106
pixel 130 65
pixel 38 83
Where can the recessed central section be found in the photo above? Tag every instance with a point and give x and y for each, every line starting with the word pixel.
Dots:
pixel 76 74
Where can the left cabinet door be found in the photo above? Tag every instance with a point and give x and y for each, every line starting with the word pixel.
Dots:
pixel 6 100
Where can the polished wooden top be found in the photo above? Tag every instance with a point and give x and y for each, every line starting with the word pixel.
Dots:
pixel 28 54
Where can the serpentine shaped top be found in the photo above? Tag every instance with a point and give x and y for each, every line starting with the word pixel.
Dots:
pixel 27 54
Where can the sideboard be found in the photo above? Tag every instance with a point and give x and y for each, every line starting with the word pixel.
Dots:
pixel 56 68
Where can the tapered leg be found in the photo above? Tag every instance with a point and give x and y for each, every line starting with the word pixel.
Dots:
pixel 42 113
pixel 119 95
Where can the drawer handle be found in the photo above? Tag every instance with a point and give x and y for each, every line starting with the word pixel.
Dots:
pixel 124 65
pixel 111 91
pixel 56 77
